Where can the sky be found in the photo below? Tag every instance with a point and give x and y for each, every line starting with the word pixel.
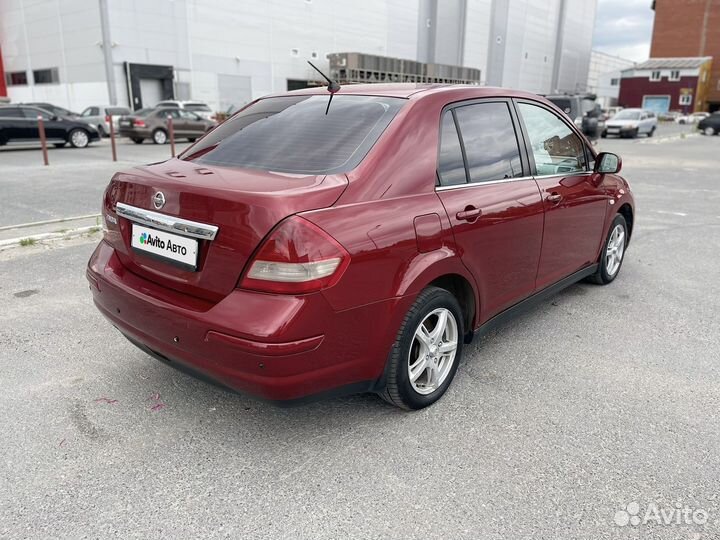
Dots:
pixel 623 28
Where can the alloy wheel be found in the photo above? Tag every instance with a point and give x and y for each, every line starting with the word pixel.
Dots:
pixel 709 131
pixel 615 250
pixel 433 350
pixel 159 137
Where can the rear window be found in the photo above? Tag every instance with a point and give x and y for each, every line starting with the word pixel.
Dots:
pixel 293 134
pixel 197 107
pixel 563 104
pixel 117 111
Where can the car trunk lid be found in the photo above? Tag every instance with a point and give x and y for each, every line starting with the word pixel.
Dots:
pixel 243 204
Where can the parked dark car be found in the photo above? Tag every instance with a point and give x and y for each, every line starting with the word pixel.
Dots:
pixel 293 253
pixel 19 124
pixel 583 110
pixel 153 124
pixel 57 111
pixel 711 124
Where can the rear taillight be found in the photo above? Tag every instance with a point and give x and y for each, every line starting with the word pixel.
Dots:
pixel 107 118
pixel 139 123
pixel 298 257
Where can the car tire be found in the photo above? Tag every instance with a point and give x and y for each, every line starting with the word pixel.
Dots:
pixel 159 136
pixel 137 140
pixel 710 131
pixel 192 139
pixel 604 134
pixel 3 140
pixel 419 343
pixel 651 132
pixel 79 138
pixel 59 145
pixel 101 131
pixel 613 252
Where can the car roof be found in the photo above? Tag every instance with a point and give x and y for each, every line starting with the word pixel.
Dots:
pixel 414 91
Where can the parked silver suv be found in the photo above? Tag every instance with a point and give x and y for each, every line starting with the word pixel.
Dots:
pixel 98 116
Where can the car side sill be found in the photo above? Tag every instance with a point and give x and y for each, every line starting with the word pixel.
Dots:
pixel 533 301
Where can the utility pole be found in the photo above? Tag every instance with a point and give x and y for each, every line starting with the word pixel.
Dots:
pixel 107 51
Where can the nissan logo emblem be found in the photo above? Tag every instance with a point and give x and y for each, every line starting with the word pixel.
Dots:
pixel 158 200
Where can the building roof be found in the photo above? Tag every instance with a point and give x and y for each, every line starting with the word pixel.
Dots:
pixel 673 63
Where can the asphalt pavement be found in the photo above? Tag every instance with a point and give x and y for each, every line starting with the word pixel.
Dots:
pixel 577 420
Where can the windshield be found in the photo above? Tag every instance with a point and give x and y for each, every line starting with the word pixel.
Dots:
pixel 627 115
pixel 293 134
pixel 197 107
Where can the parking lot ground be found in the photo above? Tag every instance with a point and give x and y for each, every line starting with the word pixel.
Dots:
pixel 599 398
pixel 72 184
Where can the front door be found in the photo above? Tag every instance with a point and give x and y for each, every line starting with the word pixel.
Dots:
pixel 494 207
pixel 575 205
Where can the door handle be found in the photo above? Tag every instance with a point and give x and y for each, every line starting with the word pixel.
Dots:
pixel 469 214
pixel 554 198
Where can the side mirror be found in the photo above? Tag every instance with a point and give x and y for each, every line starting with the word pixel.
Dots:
pixel 608 163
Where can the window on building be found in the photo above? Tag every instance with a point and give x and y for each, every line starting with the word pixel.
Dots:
pixel 655 76
pixel 46 76
pixel 614 82
pixel 674 75
pixel 488 136
pixel 16 78
pixel 685 99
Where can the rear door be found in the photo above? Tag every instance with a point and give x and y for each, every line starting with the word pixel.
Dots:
pixel 493 203
pixel 575 204
pixel 194 125
pixel 12 122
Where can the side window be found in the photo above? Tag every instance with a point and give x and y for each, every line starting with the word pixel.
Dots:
pixel 10 112
pixel 555 147
pixel 86 112
pixel 451 166
pixel 488 136
pixel 34 113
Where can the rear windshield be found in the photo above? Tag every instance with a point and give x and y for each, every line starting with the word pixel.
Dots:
pixel 293 134
pixel 562 103
pixel 627 115
pixel 197 107
pixel 117 111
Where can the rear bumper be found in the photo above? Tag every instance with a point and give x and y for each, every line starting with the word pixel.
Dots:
pixel 276 347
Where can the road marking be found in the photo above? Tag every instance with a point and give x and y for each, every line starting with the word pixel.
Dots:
pixel 681 214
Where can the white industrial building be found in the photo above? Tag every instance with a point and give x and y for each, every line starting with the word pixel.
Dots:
pixel 604 77
pixel 226 52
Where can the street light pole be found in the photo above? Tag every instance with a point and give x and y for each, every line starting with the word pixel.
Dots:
pixel 107 51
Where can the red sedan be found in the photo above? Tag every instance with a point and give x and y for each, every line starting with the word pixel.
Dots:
pixel 306 248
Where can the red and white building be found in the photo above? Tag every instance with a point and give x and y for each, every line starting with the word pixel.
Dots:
pixel 667 84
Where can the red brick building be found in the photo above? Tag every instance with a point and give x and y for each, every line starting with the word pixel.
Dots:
pixel 666 84
pixel 686 28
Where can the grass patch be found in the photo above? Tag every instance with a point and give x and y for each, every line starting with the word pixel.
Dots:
pixel 27 242
pixel 94 230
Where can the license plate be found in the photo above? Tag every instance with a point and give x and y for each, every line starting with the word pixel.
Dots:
pixel 172 248
pixel 125 122
pixel 613 130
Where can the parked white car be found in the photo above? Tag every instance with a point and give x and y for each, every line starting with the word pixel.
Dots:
pixel 692 118
pixel 631 123
pixel 198 107
pixel 98 116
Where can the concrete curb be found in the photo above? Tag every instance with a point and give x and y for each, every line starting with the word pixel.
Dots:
pixel 33 239
pixel 47 222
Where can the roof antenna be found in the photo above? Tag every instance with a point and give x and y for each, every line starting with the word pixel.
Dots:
pixel 332 86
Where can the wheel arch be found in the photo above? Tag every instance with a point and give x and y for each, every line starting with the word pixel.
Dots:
pixel 627 212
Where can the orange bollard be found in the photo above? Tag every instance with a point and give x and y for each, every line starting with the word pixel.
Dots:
pixel 112 138
pixel 171 133
pixel 43 139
